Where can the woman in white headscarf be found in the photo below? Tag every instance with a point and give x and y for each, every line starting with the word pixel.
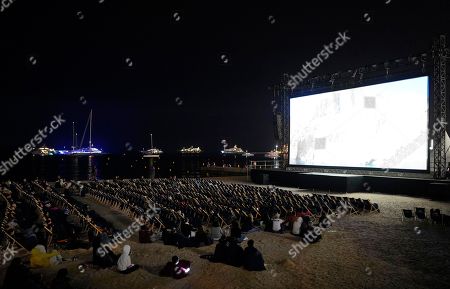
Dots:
pixel 124 264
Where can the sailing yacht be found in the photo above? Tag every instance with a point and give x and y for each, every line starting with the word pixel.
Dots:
pixel 90 150
pixel 152 152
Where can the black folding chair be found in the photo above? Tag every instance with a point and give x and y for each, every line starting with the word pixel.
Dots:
pixel 407 214
pixel 435 216
pixel 420 214
pixel 446 220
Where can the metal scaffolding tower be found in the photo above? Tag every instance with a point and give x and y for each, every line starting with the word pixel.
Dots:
pixel 440 56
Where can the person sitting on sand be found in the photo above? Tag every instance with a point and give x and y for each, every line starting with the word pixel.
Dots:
pixel 297 225
pixel 19 276
pixel 234 253
pixel 186 229
pixel 277 223
pixel 236 232
pixel 221 251
pixel 216 231
pixel 253 259
pixel 201 238
pixel 103 256
pixel 61 280
pixel 176 268
pixel 145 234
pixel 41 259
pixel 124 264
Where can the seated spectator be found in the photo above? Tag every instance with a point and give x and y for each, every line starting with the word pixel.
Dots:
pixel 309 236
pixel 145 234
pixel 247 223
pixel 253 260
pixel 102 255
pixel 277 224
pixel 186 229
pixel 201 238
pixel 234 253
pixel 61 280
pixel 236 232
pixel 41 259
pixel 322 221
pixel 124 264
pixel 296 226
pixel 19 276
pixel 220 253
pixel 176 268
pixel 216 231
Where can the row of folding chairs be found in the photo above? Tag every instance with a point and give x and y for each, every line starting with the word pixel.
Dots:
pixel 420 214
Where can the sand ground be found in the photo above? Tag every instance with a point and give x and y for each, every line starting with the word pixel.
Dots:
pixel 374 250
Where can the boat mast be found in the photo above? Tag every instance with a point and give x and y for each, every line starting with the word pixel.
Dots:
pixel 90 130
pixel 73 135
pixel 151 141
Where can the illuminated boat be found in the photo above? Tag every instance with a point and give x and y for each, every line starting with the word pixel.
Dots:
pixel 273 154
pixel 90 150
pixel 247 154
pixel 45 151
pixel 191 150
pixel 233 151
pixel 152 152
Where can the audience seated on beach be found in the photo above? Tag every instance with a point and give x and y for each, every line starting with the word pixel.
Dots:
pixel 41 259
pixel 124 264
pixel 61 281
pixel 253 259
pixel 19 276
pixel 176 268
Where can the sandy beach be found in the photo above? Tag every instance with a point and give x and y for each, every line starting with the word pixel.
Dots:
pixel 375 250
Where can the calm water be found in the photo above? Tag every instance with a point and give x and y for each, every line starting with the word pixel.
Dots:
pixel 125 166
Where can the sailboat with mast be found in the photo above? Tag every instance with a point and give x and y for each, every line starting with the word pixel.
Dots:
pixel 90 150
pixel 152 152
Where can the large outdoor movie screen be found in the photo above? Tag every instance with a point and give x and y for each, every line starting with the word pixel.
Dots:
pixel 381 126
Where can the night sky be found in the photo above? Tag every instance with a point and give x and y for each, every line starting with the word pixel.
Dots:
pixel 192 80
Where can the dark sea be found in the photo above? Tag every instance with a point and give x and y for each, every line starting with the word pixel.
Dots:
pixel 128 165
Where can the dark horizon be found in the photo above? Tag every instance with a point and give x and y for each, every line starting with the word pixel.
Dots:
pixel 193 80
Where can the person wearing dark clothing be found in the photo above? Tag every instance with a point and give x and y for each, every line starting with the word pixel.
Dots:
pixel 221 251
pixel 61 280
pixel 234 253
pixel 201 238
pixel 19 276
pixel 186 229
pixel 253 259
pixel 176 268
pixel 236 231
pixel 104 257
pixel 145 234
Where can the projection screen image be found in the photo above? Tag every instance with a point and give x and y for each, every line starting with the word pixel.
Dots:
pixel 381 126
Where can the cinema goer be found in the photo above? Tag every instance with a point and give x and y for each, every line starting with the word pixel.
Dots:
pixel 253 259
pixel 124 264
pixel 176 268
